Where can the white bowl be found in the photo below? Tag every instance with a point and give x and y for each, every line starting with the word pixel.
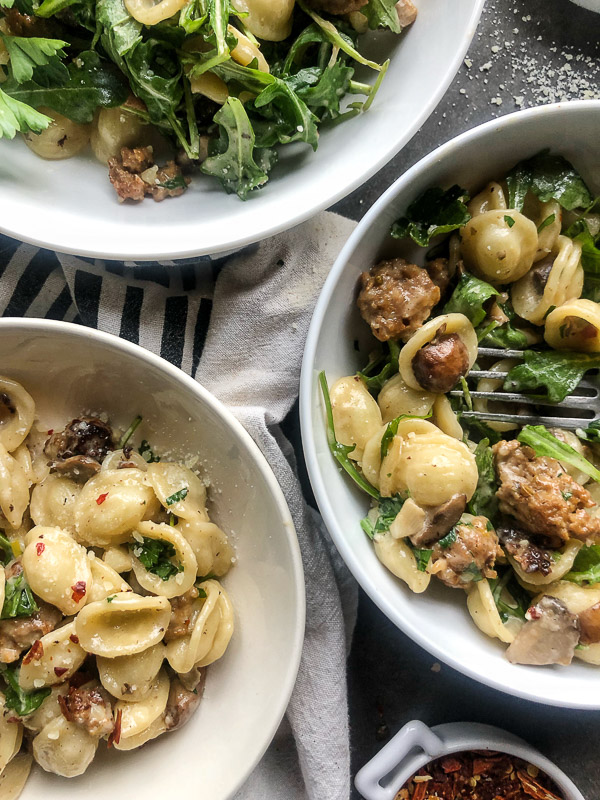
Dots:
pixel 415 745
pixel 591 5
pixel 438 619
pixel 68 369
pixel 70 206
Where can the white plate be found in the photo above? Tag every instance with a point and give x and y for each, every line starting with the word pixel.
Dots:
pixel 68 369
pixel 70 206
pixel 438 619
pixel 592 5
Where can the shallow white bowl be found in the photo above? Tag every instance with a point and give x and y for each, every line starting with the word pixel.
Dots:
pixel 69 369
pixel 438 619
pixel 70 206
pixel 591 5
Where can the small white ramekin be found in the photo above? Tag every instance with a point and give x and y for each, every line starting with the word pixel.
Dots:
pixel 415 745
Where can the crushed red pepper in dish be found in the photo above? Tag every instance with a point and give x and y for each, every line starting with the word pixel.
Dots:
pixel 479 776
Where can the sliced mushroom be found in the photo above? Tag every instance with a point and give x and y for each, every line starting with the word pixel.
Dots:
pixel 84 436
pixel 182 702
pixel 530 556
pixel 550 635
pixel 439 520
pixel 78 468
pixel 589 623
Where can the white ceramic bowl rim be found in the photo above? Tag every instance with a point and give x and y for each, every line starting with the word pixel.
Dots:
pixel 277 709
pixel 306 397
pixel 192 239
pixel 415 745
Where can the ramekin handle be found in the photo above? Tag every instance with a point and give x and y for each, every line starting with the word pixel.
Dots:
pixel 389 758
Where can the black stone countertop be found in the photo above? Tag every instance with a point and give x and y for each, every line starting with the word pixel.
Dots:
pixel 525 52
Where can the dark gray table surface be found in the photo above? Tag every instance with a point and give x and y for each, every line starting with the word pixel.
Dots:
pixel 525 52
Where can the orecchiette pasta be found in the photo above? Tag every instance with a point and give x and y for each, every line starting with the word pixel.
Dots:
pixel 492 198
pixel 16 414
pixel 397 398
pixel 268 19
pixel 212 628
pixel 397 556
pixel 107 568
pixel 491 385
pixel 113 129
pixel 445 418
pixel 246 51
pixel 152 13
pixel 356 415
pixel 499 246
pixel 484 612
pixel 547 218
pixel 57 568
pixel 562 280
pixel 123 624
pixel 575 325
pixel 63 138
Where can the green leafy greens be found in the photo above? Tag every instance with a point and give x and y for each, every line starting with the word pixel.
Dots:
pixel 586 567
pixel 155 555
pixel 550 177
pixel 545 444
pixel 29 53
pixel 18 700
pixel 385 512
pixel 556 373
pixel 18 599
pixel 388 363
pixel 469 297
pixel 435 212
pixel 511 600
pixel 484 502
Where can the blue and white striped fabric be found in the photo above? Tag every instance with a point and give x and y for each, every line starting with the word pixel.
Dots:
pixel 238 325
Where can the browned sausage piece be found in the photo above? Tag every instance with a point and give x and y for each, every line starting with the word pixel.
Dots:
pixel 439 272
pixel 440 365
pixel 470 557
pixel 396 298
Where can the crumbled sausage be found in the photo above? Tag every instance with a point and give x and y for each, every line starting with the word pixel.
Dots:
pixel 170 172
pixel 182 615
pixel 439 272
pixel 396 298
pixel 134 175
pixel 137 159
pixel 542 497
pixel 470 557
pixel 89 707
pixel 18 635
pixel 182 702
pixel 127 185
pixel 85 436
pixel 27 25
pixel 440 364
pixel 530 556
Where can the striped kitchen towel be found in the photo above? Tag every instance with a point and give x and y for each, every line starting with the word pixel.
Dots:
pixel 238 326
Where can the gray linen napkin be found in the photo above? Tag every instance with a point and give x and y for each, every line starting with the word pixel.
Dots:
pixel 248 352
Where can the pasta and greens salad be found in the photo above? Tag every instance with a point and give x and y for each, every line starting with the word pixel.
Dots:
pixel 111 605
pixel 225 82
pixel 509 513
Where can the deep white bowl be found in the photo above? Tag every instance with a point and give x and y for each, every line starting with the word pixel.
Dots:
pixel 70 206
pixel 438 619
pixel 68 369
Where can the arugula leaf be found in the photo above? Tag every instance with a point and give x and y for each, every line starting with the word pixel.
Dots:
pixel 469 297
pixel 590 258
pixel 18 700
pixel 193 16
pixel 129 432
pixel 550 177
pixel 557 373
pixel 387 510
pixel 435 212
pixel 545 444
pixel 155 555
pixel 508 585
pixel 178 496
pixel 375 382
pixel 423 558
pixel 591 433
pixel 29 53
pixel 331 85
pixel 392 430
pixel 92 83
pixel 234 163
pixel 155 74
pixel 484 502
pixel 506 336
pixel 147 453
pixel 18 599
pixel 586 567
pixel 382 14
pixel 18 116
pixel 121 32
pixel 340 451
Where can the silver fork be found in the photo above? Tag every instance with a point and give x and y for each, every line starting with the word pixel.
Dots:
pixel 577 410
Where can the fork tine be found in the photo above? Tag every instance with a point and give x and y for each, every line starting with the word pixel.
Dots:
pixel 571 423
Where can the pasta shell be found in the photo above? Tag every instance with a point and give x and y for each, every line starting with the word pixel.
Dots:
pixel 138 717
pixel 118 558
pixel 11 735
pixel 14 777
pixel 123 625
pixel 52 502
pixel 184 557
pixel 57 568
pixel 397 556
pixel 211 547
pixel 60 657
pixel 356 415
pixel 64 748
pixel 21 409
pixel 14 488
pixel 130 678
pixel 105 581
pixel 171 480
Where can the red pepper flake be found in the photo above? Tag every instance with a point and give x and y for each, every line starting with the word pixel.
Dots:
pixel 533 612
pixel 36 652
pixel 102 498
pixel 60 671
pixel 39 548
pixel 51 431
pixel 65 708
pixel 79 590
pixel 115 736
pixel 74 638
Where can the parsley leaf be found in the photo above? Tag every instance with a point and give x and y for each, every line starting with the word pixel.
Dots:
pixel 129 432
pixel 29 53
pixel 435 212
pixel 556 372
pixel 382 14
pixel 511 600
pixel 468 298
pixel 423 558
pixel 591 433
pixel 548 221
pixel 484 502
pixel 178 182
pixel 448 540
pixel 177 496
pixel 18 116
pixel 375 382
pixel 471 573
pixel 18 599
pixel 340 451
pixel 18 700
pixel 586 567
pixel 387 510
pixel 147 453
pixel 545 444
pixel 155 555
pixel 550 177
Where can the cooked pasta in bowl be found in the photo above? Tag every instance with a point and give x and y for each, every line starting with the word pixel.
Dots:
pixel 478 535
pixel 144 566
pixel 289 104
